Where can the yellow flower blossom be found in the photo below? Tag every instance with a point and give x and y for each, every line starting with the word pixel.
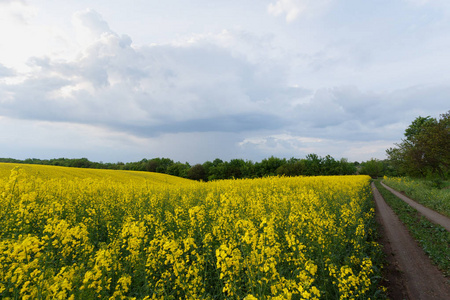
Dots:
pixel 102 234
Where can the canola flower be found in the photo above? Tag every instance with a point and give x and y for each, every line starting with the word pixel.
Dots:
pixel 88 236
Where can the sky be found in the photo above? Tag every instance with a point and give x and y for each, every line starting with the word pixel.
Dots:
pixel 198 80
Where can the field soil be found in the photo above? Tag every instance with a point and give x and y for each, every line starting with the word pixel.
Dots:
pixel 410 273
pixel 430 214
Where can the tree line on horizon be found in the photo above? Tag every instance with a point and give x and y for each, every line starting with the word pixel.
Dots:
pixel 311 165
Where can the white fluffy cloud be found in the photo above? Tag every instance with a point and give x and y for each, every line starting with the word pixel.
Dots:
pixel 294 8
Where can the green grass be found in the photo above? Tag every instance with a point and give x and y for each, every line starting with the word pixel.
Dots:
pixel 434 239
pixel 434 194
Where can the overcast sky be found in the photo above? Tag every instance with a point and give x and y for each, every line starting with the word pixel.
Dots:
pixel 198 80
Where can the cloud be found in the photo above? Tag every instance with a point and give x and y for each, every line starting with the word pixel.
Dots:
pixel 281 142
pixel 89 26
pixel 233 93
pixel 205 84
pixel 199 86
pixel 6 72
pixel 226 123
pixel 17 11
pixel 11 1
pixel 427 2
pixel 291 8
pixel 289 145
pixel 294 8
pixel 439 7
pixel 45 140
pixel 348 113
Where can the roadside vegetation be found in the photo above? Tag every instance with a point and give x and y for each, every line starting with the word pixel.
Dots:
pixel 434 239
pixel 430 193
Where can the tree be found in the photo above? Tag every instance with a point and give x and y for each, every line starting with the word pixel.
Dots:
pixel 269 166
pixel 433 142
pixel 292 168
pixel 313 164
pixel 215 169
pixel 159 165
pixel 151 165
pixel 80 163
pixel 197 172
pixel 425 149
pixel 374 168
pixel 346 168
pixel 248 169
pixel 329 166
pixel 417 127
pixel 234 169
pixel 178 169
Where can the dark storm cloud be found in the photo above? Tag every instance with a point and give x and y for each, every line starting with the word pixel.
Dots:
pixel 229 123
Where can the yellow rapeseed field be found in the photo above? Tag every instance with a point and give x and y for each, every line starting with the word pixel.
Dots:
pixel 96 234
pixel 53 172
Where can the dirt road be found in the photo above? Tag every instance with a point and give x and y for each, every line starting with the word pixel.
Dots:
pixel 412 275
pixel 431 215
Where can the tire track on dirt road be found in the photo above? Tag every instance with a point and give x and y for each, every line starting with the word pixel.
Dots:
pixel 419 277
pixel 430 214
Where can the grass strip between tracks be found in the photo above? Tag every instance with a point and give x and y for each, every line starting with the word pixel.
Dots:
pixel 434 239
